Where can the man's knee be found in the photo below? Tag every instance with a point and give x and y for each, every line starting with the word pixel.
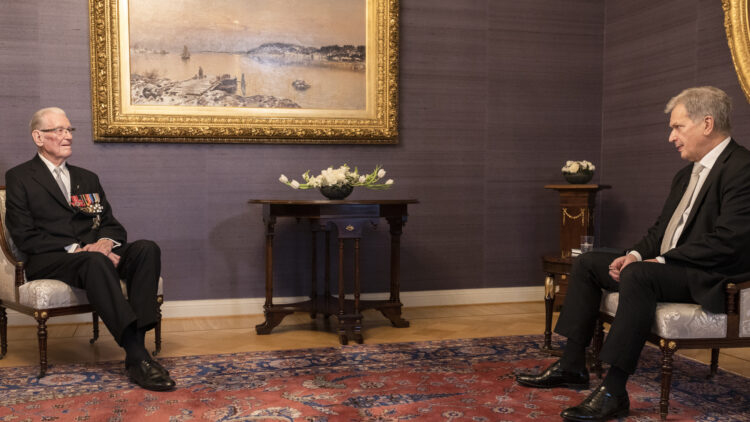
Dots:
pixel 636 277
pixel 147 247
pixel 98 260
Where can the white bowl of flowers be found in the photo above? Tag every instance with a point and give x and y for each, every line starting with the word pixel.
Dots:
pixel 340 182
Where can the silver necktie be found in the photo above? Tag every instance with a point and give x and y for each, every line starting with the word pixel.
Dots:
pixel 61 184
pixel 681 207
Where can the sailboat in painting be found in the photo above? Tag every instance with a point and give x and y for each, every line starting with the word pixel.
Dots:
pixel 185 53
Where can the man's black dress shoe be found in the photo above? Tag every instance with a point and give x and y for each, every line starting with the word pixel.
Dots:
pixel 600 405
pixel 150 375
pixel 158 366
pixel 554 377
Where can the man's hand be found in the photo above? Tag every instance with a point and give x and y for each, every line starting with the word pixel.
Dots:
pixel 619 264
pixel 103 246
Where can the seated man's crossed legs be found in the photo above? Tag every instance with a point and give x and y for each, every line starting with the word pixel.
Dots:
pixel 641 286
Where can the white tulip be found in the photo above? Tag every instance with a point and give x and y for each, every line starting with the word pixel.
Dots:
pixel 362 179
pixel 295 184
pixel 283 179
pixel 389 182
pixel 381 173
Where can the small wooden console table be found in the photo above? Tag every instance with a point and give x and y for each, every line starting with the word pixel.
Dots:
pixel 576 220
pixel 349 218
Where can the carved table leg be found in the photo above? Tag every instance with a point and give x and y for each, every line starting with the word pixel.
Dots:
pixel 314 271
pixel 396 225
pixel 327 274
pixel 343 324
pixel 357 330
pixel 272 318
pixel 549 300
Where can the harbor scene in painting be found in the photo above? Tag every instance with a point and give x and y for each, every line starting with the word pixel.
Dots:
pixel 248 53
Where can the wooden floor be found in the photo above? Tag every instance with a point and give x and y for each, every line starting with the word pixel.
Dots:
pixel 197 336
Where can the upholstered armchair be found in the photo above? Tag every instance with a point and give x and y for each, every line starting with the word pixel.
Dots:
pixel 686 326
pixel 42 299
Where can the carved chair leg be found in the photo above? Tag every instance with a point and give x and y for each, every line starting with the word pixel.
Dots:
pixel 95 320
pixel 157 328
pixel 598 340
pixel 714 362
pixel 3 332
pixel 41 319
pixel 667 350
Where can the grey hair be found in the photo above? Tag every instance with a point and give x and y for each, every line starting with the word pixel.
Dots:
pixel 38 117
pixel 705 101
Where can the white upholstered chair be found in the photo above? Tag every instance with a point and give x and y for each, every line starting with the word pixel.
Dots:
pixel 44 298
pixel 687 326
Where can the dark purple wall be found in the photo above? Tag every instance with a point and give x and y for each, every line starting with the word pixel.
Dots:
pixel 495 96
pixel 652 51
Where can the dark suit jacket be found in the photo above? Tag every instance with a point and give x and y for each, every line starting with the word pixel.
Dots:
pixel 41 222
pixel 716 237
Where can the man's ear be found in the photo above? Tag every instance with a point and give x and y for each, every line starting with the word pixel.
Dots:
pixel 37 137
pixel 708 125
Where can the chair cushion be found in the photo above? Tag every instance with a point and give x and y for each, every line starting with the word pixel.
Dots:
pixel 677 320
pixel 47 293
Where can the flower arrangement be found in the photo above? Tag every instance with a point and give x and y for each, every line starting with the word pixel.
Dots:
pixel 572 167
pixel 342 180
pixel 578 172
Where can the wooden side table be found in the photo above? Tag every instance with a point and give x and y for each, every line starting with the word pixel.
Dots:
pixel 349 219
pixel 576 219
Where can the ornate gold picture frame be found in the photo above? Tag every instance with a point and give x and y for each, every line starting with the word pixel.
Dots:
pixel 244 71
pixel 737 26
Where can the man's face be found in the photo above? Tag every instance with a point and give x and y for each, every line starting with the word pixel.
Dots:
pixel 53 146
pixel 690 138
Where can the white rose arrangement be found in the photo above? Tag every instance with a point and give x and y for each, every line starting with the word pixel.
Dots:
pixel 572 167
pixel 339 177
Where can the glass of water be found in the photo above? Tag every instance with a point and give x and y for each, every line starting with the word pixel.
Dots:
pixel 587 243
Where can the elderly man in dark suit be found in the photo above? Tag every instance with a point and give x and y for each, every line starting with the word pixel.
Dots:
pixel 700 241
pixel 59 216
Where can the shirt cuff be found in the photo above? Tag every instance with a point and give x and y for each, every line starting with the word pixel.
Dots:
pixel 71 248
pixel 636 254
pixel 116 243
pixel 661 259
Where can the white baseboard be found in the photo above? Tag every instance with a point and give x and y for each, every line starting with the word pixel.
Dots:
pixel 254 306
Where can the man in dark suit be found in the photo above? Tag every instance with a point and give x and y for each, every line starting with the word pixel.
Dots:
pixel 59 216
pixel 700 241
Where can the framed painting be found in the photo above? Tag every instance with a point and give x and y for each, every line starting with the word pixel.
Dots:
pixel 244 71
pixel 737 26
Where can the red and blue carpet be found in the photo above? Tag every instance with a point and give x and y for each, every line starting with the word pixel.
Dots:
pixel 452 380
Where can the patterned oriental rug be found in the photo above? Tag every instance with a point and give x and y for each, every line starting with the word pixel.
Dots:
pixel 452 380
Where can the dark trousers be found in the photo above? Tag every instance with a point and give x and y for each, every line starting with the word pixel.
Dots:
pixel 641 286
pixel 140 267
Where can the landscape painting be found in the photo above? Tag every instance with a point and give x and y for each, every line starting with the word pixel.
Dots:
pixel 248 53
pixel 245 70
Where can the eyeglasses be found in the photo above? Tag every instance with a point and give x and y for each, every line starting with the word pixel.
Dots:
pixel 59 131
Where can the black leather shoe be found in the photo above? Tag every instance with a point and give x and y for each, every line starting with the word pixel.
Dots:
pixel 600 405
pixel 158 366
pixel 150 376
pixel 554 377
